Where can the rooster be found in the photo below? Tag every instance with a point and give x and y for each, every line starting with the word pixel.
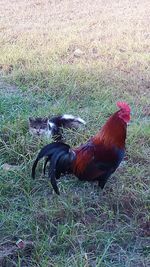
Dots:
pixel 93 161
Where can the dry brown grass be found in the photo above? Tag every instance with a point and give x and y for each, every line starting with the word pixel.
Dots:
pixel 113 35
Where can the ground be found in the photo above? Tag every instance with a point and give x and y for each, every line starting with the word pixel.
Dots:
pixel 77 57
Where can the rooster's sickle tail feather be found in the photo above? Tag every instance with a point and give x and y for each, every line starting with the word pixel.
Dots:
pixel 60 156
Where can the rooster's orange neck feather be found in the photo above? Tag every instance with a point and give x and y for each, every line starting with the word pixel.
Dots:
pixel 113 133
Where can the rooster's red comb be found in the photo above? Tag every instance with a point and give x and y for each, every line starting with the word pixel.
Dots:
pixel 124 106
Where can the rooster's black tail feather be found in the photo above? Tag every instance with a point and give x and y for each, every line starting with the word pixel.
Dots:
pixel 48 151
pixel 60 157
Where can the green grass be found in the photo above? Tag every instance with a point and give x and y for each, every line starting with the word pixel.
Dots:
pixel 84 227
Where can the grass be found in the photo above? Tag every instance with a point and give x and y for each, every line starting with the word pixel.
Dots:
pixel 41 75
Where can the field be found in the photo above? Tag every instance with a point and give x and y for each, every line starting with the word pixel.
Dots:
pixel 76 57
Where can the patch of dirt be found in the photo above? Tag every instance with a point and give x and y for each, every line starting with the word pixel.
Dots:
pixel 146 110
pixel 126 205
pixel 145 229
pixel 8 167
pixel 139 160
pixel 9 251
pixel 6 68
pixel 7 88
